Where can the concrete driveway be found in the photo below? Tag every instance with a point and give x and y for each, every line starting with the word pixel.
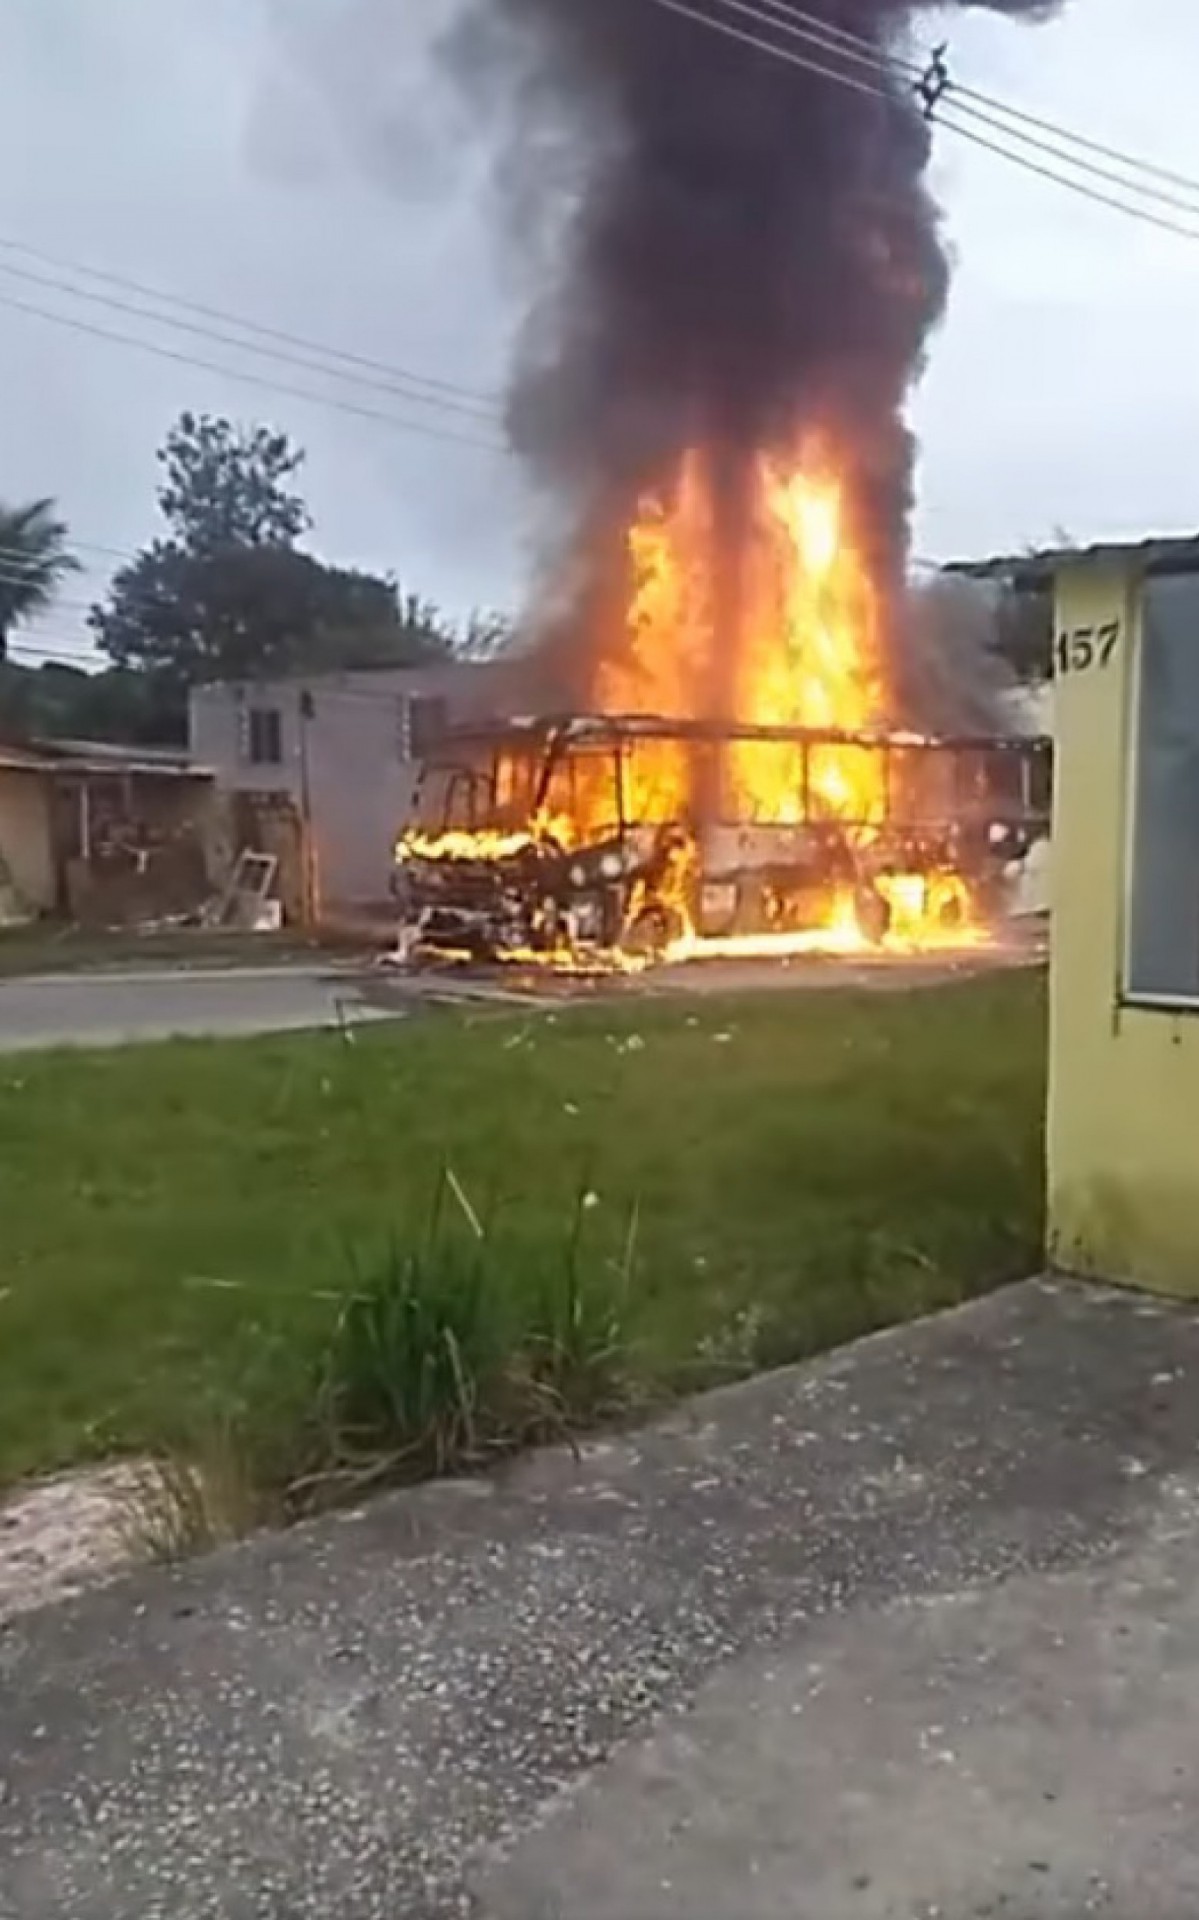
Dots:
pixel 910 1632
pixel 103 1009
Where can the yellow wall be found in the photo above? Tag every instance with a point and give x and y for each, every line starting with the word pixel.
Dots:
pixel 26 843
pixel 1123 1082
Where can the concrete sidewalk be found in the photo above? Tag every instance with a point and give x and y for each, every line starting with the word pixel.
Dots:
pixel 120 1007
pixel 909 1632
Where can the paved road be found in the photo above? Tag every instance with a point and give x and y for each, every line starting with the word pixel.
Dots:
pixel 102 1009
pixel 98 1009
pixel 910 1632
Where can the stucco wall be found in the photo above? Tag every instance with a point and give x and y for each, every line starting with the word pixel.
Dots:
pixel 1123 1117
pixel 26 841
pixel 360 783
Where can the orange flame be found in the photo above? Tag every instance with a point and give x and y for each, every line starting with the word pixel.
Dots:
pixel 779 625
pixel 805 649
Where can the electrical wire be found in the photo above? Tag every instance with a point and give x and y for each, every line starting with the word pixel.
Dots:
pixel 17 553
pixel 401 375
pixel 795 20
pixel 63 652
pixel 469 409
pixel 66 604
pixel 794 59
pixel 853 48
pixel 765 46
pixel 1158 220
pixel 423 427
pixel 59 603
pixel 1136 163
pixel 840 44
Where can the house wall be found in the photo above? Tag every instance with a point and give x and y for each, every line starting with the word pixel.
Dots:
pixel 1123 1113
pixel 26 836
pixel 351 753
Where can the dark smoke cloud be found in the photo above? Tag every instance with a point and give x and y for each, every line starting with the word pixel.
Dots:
pixel 739 248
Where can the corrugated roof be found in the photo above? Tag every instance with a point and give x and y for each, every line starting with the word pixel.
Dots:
pixel 1171 554
pixel 19 760
pixel 111 756
pixel 100 757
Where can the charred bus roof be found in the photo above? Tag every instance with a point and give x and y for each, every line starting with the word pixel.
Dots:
pixel 540 731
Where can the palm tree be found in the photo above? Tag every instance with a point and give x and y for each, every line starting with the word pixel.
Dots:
pixel 34 559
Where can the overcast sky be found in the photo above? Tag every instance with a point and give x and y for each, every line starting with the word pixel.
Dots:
pixel 297 162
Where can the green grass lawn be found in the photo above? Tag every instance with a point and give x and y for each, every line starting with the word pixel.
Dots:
pixel 804 1166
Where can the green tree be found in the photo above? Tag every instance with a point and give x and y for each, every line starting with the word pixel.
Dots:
pixel 227 486
pixel 229 595
pixel 60 702
pixel 257 613
pixel 35 558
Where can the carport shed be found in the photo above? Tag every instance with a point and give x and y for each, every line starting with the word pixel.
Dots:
pixel 97 830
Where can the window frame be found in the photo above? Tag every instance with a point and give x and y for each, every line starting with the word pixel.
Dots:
pixel 1134 999
pixel 419 740
pixel 258 718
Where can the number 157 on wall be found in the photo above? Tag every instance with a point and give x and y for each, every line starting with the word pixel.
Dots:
pixel 1084 648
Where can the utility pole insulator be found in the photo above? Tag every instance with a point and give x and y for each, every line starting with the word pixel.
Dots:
pixel 934 82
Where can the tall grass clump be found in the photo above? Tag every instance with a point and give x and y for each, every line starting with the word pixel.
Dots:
pixel 447 1351
pixel 466 1344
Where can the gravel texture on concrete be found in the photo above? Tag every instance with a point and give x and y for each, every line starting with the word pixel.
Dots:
pixel 60 1536
pixel 842 1641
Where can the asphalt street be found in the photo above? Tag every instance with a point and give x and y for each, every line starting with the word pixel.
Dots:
pixel 103 1009
pixel 118 1007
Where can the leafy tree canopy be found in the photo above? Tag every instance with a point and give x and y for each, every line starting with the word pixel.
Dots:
pixel 60 702
pixel 227 592
pixel 242 613
pixel 230 595
pixel 35 558
pixel 227 486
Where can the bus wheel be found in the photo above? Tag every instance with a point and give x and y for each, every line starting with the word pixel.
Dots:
pixel 873 915
pixel 652 933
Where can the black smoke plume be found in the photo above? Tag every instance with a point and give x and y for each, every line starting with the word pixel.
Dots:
pixel 730 249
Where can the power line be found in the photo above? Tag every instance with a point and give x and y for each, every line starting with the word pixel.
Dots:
pixel 798 21
pixel 794 59
pixel 65 605
pixel 1160 195
pixel 766 46
pixel 17 553
pixel 858 50
pixel 403 375
pixel 60 603
pixel 469 409
pixel 1164 224
pixel 423 427
pixel 64 652
pixel 1151 167
pixel 1133 162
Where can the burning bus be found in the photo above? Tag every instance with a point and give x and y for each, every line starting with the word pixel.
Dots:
pixel 637 836
pixel 732 785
